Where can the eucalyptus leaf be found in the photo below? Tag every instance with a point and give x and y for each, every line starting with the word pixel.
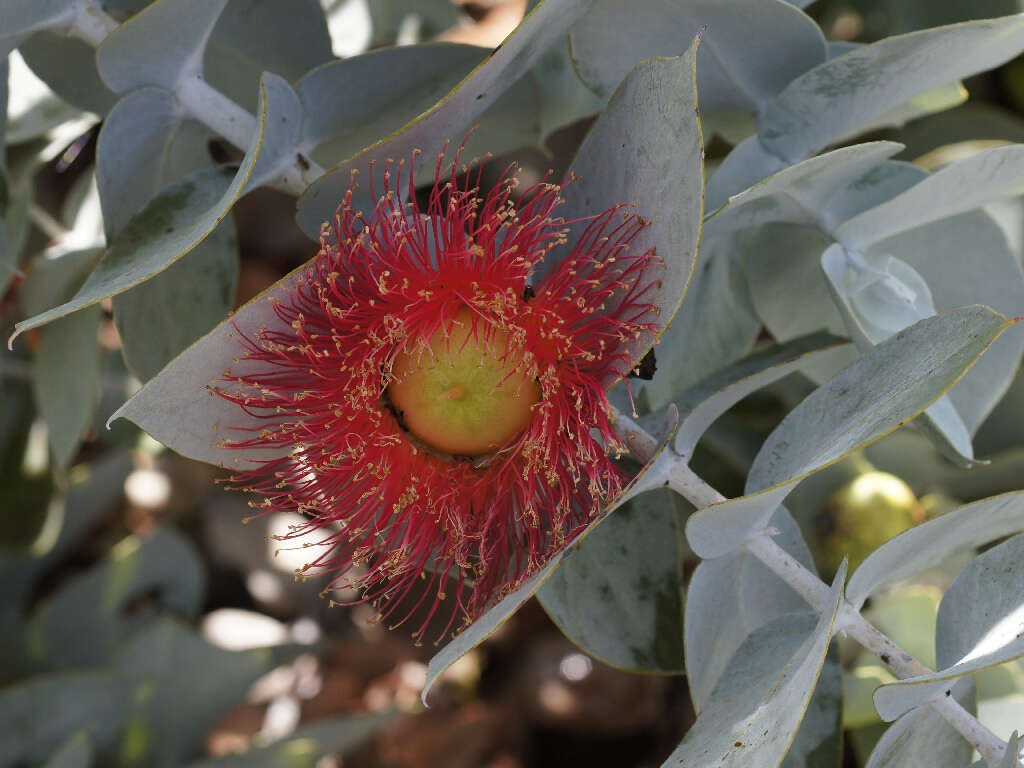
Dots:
pixel 146 143
pixel 927 545
pixel 353 102
pixel 957 188
pixel 183 215
pixel 798 194
pixel 23 17
pixel 619 597
pixel 160 318
pixel 286 37
pixel 980 626
pixel 756 708
pixel 40 713
pixel 1010 757
pixel 715 326
pixel 563 97
pixel 819 740
pixel 704 403
pixel 878 393
pixel 68 66
pixel 33 110
pixel 924 737
pixel 937 251
pixel 307 744
pixel 839 96
pixel 67 402
pixel 542 28
pixel 182 685
pixel 728 599
pixel 96 607
pixel 646 148
pixel 751 49
pixel 76 752
pixel 160 46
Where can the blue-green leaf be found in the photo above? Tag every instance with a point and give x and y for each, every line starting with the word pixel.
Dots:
pixel 66 381
pixel 94 606
pixel 40 713
pixel 701 405
pixel 76 752
pixel 647 149
pixel 878 393
pixel 980 626
pixel 183 215
pixel 160 46
pixel 448 118
pixel 619 597
pixel 758 704
pixel 146 143
pixel 160 318
pixel 840 96
pixel 751 48
pixel 929 544
pixel 728 599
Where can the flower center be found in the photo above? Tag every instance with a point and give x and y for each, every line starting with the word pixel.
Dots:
pixel 466 393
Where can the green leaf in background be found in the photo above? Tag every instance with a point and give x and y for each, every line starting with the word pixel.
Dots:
pixel 927 545
pixel 835 98
pixel 979 627
pixel 432 17
pixel 39 714
pixel 159 47
pixel 619 597
pixel 757 705
pixel 183 215
pixel 160 318
pixel 923 737
pixel 76 752
pixel 307 745
pixel 878 393
pixel 181 685
pixel 287 37
pixel 731 597
pixel 449 117
pixel 647 149
pixel 751 49
pixel 93 490
pixel 142 578
pixel 66 381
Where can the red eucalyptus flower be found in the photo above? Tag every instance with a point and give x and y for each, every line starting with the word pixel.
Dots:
pixel 441 398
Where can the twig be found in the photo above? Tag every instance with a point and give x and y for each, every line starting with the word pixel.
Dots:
pixel 691 486
pixel 202 101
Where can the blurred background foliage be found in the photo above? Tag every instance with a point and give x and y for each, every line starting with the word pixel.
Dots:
pixel 143 624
